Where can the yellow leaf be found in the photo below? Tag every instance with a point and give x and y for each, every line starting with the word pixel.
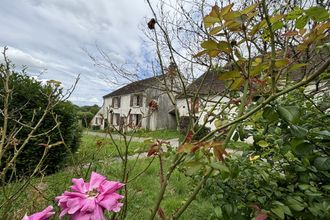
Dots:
pixel 215 30
pixel 201 53
pixel 226 9
pixel 215 11
pixel 237 83
pixel 249 9
pixel 209 21
pixel 230 75
pixel 209 45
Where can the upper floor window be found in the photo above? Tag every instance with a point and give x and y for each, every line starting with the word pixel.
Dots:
pixel 116 102
pixel 136 100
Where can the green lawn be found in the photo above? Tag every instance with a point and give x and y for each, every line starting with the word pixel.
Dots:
pixel 164 134
pixel 142 191
pixel 94 148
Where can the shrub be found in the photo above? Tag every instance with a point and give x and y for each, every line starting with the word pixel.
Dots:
pixel 285 173
pixel 28 101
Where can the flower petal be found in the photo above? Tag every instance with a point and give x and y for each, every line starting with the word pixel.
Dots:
pixel 96 180
pixel 79 185
pixel 110 201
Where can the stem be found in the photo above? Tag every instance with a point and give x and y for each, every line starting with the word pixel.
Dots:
pixel 175 163
pixel 272 45
pixel 193 195
pixel 229 135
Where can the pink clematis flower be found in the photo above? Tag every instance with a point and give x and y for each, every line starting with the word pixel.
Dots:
pixel 88 201
pixel 43 215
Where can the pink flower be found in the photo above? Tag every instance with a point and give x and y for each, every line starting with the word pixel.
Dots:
pixel 88 201
pixel 43 215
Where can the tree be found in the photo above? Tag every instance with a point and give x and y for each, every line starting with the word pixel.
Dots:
pixel 263 50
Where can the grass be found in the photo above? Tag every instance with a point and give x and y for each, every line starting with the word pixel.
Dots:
pixel 142 192
pixel 94 148
pixel 164 134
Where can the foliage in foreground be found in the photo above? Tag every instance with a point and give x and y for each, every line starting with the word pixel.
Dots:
pixel 285 174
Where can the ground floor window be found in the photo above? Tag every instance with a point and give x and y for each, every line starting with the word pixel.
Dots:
pixel 136 120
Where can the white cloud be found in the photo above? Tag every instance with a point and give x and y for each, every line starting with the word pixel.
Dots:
pixel 51 34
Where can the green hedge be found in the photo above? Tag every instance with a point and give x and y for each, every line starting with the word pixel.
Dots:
pixel 29 98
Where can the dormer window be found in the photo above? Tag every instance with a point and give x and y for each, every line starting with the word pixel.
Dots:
pixel 116 102
pixel 136 100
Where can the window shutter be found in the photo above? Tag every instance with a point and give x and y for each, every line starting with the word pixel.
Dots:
pixel 130 119
pixel 131 101
pixel 119 98
pixel 111 119
pixel 140 100
pixel 117 119
pixel 139 120
pixel 112 102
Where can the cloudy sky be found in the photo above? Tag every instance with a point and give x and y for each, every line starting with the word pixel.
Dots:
pixel 50 34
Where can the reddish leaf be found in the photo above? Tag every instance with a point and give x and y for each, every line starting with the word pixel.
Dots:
pixel 256 207
pixel 219 151
pixel 261 216
pixel 189 137
pixel 154 150
pixel 161 214
pixel 185 147
pixel 290 34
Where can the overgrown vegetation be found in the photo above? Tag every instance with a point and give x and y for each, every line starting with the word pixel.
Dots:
pixel 29 100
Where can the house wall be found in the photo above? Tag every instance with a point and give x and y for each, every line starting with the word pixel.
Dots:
pixel 206 104
pixel 159 119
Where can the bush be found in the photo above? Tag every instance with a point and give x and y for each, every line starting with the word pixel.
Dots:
pixel 285 173
pixel 28 102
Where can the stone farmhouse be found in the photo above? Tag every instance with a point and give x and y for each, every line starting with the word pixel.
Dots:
pixel 205 94
pixel 141 104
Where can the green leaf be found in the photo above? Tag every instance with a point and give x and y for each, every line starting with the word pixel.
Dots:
pixel 301 22
pixel 317 13
pixel 230 75
pixel 298 131
pixel 281 63
pixel 218 211
pixel 322 163
pixel 294 204
pixel 289 113
pixel 209 45
pixel 217 123
pixel 263 143
pixel 219 166
pixel 302 148
pixel 270 114
pixel 292 15
pixel 278 211
pixel 277 25
pixel 297 66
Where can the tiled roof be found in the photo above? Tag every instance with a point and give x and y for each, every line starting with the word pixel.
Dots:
pixel 136 87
